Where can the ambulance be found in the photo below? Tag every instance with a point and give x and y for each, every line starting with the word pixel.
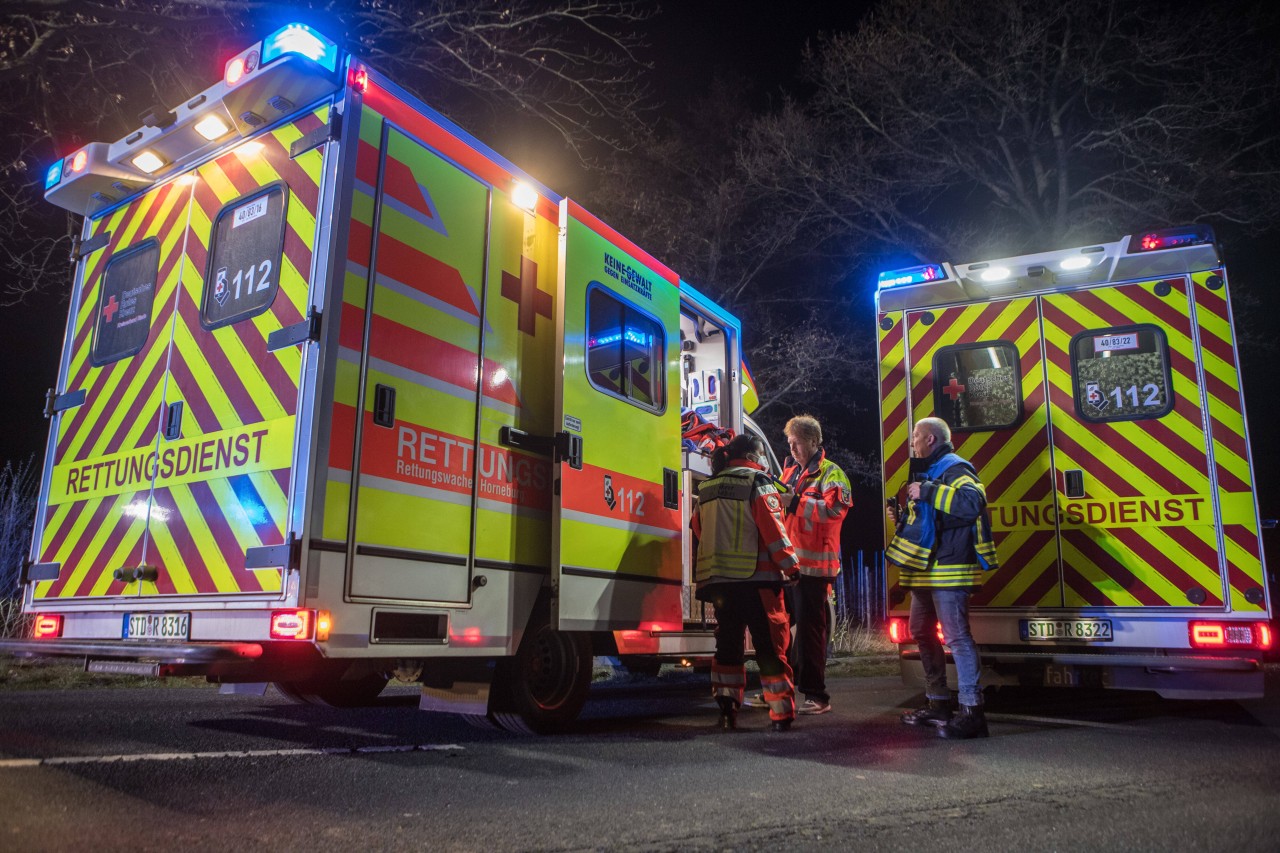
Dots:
pixel 345 394
pixel 1097 393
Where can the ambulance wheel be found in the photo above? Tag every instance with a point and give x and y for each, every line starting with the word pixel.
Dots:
pixel 331 690
pixel 544 686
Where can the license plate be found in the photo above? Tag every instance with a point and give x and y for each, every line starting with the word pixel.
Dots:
pixel 157 626
pixel 1071 630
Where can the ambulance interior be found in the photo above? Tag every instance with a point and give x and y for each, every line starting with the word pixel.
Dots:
pixel 710 401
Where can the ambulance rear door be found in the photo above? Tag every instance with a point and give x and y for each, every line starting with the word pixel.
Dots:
pixel 617 530
pixel 231 395
pixel 979 367
pixel 103 434
pixel 1127 422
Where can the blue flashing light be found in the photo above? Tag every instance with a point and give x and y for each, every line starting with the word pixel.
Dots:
pixel 633 336
pixel 53 177
pixel 911 275
pixel 302 40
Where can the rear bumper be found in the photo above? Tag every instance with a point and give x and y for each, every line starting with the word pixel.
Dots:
pixel 170 653
pixel 1171 676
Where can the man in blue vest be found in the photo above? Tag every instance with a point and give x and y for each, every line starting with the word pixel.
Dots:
pixel 943 547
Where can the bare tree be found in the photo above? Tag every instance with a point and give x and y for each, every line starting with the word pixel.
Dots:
pixel 79 70
pixel 17 510
pixel 961 128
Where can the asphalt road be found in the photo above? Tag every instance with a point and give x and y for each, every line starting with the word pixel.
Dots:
pixel 166 769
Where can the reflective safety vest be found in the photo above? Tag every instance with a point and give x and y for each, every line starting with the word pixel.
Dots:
pixel 822 499
pixel 944 539
pixel 738 522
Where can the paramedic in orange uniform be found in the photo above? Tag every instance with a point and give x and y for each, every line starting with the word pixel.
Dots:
pixel 743 559
pixel 820 500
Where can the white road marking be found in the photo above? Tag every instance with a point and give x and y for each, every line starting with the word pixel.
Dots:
pixel 9 763
pixel 1058 721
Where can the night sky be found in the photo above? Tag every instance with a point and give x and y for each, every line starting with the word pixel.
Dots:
pixel 759 42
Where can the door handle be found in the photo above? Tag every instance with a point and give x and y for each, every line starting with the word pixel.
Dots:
pixel 173 421
pixel 384 406
pixel 670 488
pixel 1075 483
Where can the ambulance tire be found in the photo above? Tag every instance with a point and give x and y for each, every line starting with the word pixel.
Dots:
pixel 330 690
pixel 543 687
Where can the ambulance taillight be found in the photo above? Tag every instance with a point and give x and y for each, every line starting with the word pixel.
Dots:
pixel 898 632
pixel 1230 635
pixel 291 624
pixel 48 626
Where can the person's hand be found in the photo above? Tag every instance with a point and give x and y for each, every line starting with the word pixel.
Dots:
pixel 913 492
pixel 891 514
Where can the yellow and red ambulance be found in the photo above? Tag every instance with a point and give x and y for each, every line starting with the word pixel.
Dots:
pixel 346 394
pixel 1097 393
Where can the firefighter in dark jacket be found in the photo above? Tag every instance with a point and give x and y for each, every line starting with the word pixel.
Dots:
pixel 943 547
pixel 743 558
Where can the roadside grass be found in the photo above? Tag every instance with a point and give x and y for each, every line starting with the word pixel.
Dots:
pixel 46 674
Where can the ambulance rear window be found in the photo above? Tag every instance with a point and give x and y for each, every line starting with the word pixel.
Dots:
pixel 243 274
pixel 978 386
pixel 125 301
pixel 625 351
pixel 1121 374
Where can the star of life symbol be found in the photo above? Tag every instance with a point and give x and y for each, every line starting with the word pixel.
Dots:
pixel 220 289
pixel 608 492
pixel 1093 396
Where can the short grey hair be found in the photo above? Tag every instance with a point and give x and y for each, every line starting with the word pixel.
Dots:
pixel 805 428
pixel 937 427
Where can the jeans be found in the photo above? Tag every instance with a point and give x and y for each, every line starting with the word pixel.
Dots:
pixel 951 608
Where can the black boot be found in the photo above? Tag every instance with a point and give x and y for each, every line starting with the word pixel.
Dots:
pixel 783 725
pixel 728 713
pixel 970 722
pixel 936 713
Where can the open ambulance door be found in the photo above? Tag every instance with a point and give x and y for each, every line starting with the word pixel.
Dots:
pixel 617 523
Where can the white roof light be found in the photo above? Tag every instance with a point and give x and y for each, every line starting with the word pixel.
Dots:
pixel 148 161
pixel 995 274
pixel 212 127
pixel 524 197
pixel 1075 262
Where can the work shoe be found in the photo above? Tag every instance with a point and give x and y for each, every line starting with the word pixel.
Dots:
pixel 813 707
pixel 728 713
pixel 756 700
pixel 970 722
pixel 936 713
pixel 783 725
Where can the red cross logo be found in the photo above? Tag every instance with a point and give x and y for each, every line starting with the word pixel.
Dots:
pixel 953 389
pixel 524 292
pixel 111 308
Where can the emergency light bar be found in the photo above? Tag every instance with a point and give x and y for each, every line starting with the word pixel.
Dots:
pixel 1173 238
pixel 289 70
pixel 911 275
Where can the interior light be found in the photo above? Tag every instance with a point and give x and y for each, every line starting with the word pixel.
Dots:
pixel 48 625
pixel 79 161
pixel 995 274
pixel 212 127
pixel 235 71
pixel 291 624
pixel 148 161
pixel 1075 262
pixel 525 197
